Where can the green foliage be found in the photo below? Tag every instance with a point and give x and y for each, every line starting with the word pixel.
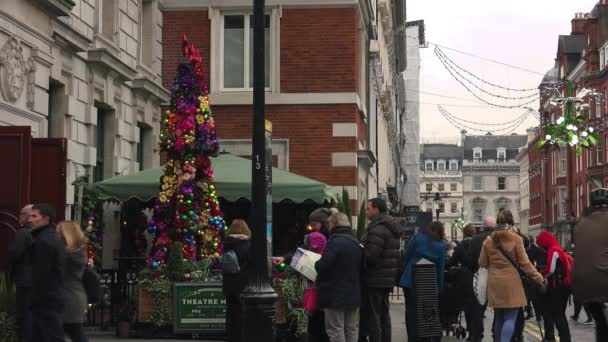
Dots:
pixel 342 203
pixel 361 219
pixel 159 289
pixel 177 266
pixel 8 306
pixel 91 207
pixel 292 288
pixel 8 328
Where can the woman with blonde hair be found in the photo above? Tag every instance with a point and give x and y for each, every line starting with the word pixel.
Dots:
pixel 75 297
pixel 505 257
pixel 237 249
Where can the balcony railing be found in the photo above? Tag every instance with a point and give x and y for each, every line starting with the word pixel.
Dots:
pixel 482 161
pixel 442 173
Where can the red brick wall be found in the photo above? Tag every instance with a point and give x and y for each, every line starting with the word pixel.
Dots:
pixel 309 130
pixel 196 25
pixel 319 50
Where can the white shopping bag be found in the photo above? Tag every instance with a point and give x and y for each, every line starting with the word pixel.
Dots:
pixel 480 285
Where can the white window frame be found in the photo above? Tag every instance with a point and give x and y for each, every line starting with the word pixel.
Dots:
pixel 427 186
pixel 455 164
pixel 426 165
pixel 216 58
pixel 477 150
pixel 453 187
pixel 480 183
pixel 441 187
pixel 499 151
pixel 498 183
pixel 476 216
pixel 598 107
pixel 598 153
pixel 563 165
pixel 454 208
pixel 602 61
pixel 441 165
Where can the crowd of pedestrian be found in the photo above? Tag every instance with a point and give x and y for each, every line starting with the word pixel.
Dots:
pixel 47 261
pixel 527 277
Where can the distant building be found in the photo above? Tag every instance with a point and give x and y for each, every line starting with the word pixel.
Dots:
pixel 491 175
pixel 524 183
pixel 441 173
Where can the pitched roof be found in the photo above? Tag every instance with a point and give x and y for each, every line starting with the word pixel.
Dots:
pixel 490 142
pixel 441 151
pixel 574 43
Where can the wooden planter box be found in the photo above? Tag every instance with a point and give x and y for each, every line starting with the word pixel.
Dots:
pixel 145 305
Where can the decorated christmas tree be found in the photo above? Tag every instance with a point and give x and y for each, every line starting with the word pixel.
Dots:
pixel 187 208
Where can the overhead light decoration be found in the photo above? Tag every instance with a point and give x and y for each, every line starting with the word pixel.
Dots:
pixel 572 129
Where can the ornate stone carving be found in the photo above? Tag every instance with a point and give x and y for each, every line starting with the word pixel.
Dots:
pixel 15 73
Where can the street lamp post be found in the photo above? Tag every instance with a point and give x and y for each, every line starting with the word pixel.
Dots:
pixel 259 297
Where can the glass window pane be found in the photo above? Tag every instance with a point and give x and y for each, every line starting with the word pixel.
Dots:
pixel 266 52
pixel 234 48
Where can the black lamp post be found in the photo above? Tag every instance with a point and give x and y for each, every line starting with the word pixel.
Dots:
pixel 437 201
pixel 259 297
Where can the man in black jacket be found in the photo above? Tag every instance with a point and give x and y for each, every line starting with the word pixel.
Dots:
pixel 21 272
pixel 381 245
pixel 47 256
pixel 478 311
pixel 339 273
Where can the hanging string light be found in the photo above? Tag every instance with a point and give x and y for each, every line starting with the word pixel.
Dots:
pixel 453 74
pixel 459 125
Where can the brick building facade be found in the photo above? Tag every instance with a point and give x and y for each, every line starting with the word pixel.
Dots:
pixel 317 81
pixel 560 181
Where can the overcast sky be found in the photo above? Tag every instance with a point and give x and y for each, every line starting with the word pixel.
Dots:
pixel 518 32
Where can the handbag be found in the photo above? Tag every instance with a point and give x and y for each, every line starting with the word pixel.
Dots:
pixel 480 285
pixel 528 284
pixel 310 299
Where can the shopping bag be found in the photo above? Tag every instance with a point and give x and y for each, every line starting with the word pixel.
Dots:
pixel 480 285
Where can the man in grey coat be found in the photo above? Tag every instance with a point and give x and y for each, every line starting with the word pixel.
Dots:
pixel 21 272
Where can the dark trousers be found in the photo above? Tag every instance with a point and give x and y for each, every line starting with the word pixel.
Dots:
pixel 476 328
pixel 47 324
pixel 316 327
pixel 555 302
pixel 24 314
pixel 74 332
pixel 234 317
pixel 577 310
pixel 601 326
pixel 375 316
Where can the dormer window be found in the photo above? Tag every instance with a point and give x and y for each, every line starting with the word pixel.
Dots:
pixel 428 165
pixel 453 165
pixel 441 165
pixel 501 153
pixel 477 154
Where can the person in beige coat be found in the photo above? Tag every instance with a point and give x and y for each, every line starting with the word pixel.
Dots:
pixel 505 290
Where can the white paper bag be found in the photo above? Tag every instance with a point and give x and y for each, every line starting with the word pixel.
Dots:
pixel 304 261
pixel 480 285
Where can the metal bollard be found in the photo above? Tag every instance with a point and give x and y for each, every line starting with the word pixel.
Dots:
pixel 425 302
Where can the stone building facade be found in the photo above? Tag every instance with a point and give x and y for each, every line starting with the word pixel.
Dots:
pixel 88 71
pixel 491 175
pixel 441 173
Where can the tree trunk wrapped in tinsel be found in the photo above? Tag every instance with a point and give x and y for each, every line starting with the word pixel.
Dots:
pixel 187 208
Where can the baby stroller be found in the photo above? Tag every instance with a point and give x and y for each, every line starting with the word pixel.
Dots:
pixel 452 301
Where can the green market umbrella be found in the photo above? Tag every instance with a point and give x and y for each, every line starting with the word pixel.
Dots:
pixel 232 178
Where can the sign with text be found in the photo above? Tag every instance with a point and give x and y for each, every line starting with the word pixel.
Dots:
pixel 199 308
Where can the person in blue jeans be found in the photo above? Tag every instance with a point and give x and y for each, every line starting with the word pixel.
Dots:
pixel 504 255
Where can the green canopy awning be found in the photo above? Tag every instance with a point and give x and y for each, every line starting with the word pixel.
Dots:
pixel 232 178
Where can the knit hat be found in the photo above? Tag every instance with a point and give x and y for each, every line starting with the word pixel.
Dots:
pixel 317 242
pixel 320 215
